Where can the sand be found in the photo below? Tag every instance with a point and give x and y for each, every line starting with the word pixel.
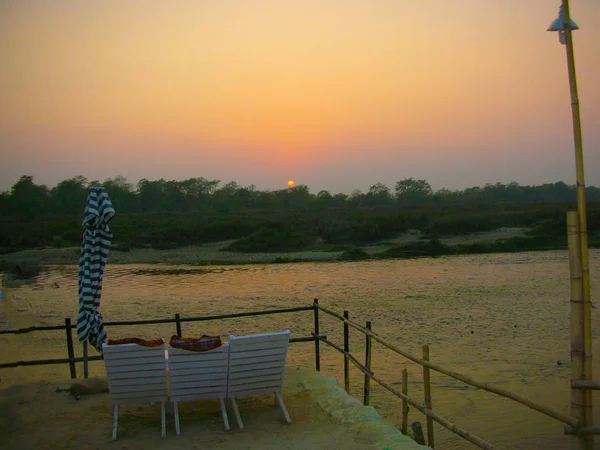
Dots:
pixel 46 415
pixel 212 253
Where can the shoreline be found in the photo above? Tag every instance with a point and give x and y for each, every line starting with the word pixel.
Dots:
pixel 211 254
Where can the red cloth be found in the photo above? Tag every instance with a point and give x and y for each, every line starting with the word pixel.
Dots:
pixel 196 344
pixel 138 341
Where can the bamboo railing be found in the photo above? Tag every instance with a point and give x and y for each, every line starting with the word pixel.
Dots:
pixel 574 425
pixel 460 377
pixel 71 360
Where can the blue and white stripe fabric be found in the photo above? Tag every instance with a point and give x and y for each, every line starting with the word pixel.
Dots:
pixel 94 253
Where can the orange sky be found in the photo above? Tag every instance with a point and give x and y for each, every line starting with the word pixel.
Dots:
pixel 334 94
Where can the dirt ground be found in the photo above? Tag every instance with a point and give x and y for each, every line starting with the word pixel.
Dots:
pixel 46 415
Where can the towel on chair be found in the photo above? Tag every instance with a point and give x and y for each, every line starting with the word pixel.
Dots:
pixel 138 341
pixel 196 344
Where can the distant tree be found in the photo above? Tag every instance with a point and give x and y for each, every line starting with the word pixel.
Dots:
pixel 356 198
pixel 121 194
pixel 323 199
pixel 411 191
pixel 4 202
pixel 557 192
pixel 246 196
pixel 324 195
pixel 27 199
pixel 379 194
pixel 298 197
pixel 446 195
pixel 199 190
pixel 340 199
pixel 69 196
pixel 150 194
pixel 224 198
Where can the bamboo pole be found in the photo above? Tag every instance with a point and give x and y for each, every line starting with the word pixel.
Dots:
pixel 577 349
pixel 43 362
pixel 582 215
pixel 347 350
pixel 351 358
pixel 586 384
pixel 70 350
pixel 160 321
pixel 46 362
pixel 558 415
pixel 367 393
pixel 583 431
pixel 85 360
pixel 178 325
pixel 404 403
pixel 317 350
pixel 427 391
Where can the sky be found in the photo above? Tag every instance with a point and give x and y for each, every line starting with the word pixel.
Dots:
pixel 334 94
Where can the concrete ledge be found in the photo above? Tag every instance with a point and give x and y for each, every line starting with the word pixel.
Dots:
pixel 343 408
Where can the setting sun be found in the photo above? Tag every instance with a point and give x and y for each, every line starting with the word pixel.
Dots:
pixel 291 183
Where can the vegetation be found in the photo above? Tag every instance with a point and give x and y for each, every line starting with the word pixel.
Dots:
pixel 169 214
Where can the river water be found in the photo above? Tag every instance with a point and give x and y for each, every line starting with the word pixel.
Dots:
pixel 501 319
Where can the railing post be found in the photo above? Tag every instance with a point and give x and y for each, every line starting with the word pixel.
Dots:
pixel 417 429
pixel 367 393
pixel 85 360
pixel 427 389
pixel 317 349
pixel 178 324
pixel 404 402
pixel 70 348
pixel 347 350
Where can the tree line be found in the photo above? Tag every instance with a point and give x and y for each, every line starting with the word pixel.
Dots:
pixel 167 214
pixel 27 199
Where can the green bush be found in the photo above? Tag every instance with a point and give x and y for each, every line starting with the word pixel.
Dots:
pixel 271 241
pixel 433 247
pixel 355 254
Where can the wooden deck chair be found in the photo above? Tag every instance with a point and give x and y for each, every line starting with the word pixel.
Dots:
pixel 136 374
pixel 257 366
pixel 197 376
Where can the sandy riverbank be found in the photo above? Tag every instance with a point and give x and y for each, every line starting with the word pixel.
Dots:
pixel 211 254
pixel 44 415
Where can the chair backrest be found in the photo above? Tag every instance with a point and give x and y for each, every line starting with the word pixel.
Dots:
pixel 198 375
pixel 257 363
pixel 135 373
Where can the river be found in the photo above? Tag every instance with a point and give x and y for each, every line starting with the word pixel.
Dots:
pixel 501 319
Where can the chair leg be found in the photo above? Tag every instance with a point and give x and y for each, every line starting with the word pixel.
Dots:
pixel 236 411
pixel 176 417
pixel 283 408
pixel 163 418
pixel 115 422
pixel 224 413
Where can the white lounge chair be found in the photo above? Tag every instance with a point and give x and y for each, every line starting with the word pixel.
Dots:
pixel 198 376
pixel 136 374
pixel 257 366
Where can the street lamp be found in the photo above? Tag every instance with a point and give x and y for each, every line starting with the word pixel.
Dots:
pixel 559 25
pixel 581 306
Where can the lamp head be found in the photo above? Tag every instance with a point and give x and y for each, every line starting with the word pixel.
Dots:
pixel 558 24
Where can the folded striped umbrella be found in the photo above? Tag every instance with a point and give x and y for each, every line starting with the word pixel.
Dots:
pixel 94 253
